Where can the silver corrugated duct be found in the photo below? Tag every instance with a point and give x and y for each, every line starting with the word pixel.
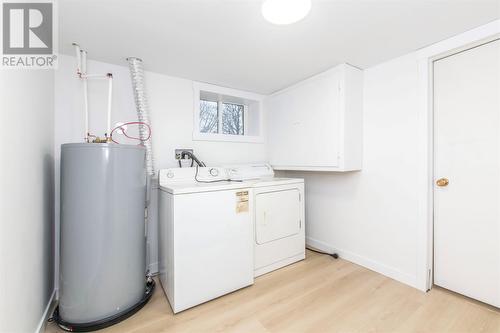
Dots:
pixel 142 106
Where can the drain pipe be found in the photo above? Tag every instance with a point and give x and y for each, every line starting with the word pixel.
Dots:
pixel 141 104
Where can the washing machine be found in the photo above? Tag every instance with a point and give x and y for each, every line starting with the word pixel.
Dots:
pixel 205 235
pixel 278 216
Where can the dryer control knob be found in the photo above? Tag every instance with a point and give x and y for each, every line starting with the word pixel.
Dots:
pixel 214 172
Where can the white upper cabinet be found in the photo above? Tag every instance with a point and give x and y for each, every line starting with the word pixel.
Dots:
pixel 317 123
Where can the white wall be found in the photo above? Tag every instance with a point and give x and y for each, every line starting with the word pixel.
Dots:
pixel 370 216
pixel 171 112
pixel 27 183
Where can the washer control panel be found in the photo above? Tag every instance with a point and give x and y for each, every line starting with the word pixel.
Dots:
pixel 200 174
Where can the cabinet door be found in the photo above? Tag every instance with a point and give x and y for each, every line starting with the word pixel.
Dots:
pixel 304 123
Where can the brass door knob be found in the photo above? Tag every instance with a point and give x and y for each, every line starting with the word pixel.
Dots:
pixel 442 182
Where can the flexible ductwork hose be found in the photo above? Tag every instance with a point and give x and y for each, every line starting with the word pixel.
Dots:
pixel 142 106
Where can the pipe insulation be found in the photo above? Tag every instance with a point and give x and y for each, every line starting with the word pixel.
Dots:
pixel 142 106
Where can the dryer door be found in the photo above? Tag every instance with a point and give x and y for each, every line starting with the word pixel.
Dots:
pixel 277 215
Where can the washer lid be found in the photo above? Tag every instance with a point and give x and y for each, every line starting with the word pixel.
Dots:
pixel 193 180
pixel 190 187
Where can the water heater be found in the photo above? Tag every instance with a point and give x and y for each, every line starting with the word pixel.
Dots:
pixel 103 237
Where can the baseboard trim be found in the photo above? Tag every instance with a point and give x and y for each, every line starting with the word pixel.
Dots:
pixel 51 305
pixel 365 262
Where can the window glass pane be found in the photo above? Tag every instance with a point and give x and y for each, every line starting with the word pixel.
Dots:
pixel 209 119
pixel 232 119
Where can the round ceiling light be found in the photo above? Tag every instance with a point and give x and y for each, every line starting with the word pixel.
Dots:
pixel 285 11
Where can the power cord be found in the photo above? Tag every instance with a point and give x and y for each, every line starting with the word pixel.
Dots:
pixel 212 181
pixel 333 255
pixel 193 158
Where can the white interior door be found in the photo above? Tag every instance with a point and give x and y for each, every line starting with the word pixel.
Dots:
pixel 467 173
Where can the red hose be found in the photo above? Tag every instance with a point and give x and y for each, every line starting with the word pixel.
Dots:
pixel 128 136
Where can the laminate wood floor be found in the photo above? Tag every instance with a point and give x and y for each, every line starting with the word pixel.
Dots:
pixel 319 294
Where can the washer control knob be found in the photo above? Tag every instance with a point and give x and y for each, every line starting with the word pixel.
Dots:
pixel 170 174
pixel 214 172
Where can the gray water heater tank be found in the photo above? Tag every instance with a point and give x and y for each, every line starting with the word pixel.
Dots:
pixel 103 243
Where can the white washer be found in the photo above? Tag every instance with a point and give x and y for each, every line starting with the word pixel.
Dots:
pixel 279 217
pixel 205 235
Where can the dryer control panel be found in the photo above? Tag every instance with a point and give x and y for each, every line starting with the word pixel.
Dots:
pixel 250 171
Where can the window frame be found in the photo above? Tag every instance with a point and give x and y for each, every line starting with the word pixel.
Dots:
pixel 231 96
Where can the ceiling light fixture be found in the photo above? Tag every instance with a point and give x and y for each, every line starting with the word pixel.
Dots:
pixel 285 11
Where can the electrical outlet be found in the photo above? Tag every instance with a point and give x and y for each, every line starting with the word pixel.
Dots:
pixel 178 153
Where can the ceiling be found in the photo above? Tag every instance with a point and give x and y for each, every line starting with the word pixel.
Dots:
pixel 227 42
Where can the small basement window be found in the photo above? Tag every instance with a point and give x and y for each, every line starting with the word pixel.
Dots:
pixel 223 114
pixel 222 118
